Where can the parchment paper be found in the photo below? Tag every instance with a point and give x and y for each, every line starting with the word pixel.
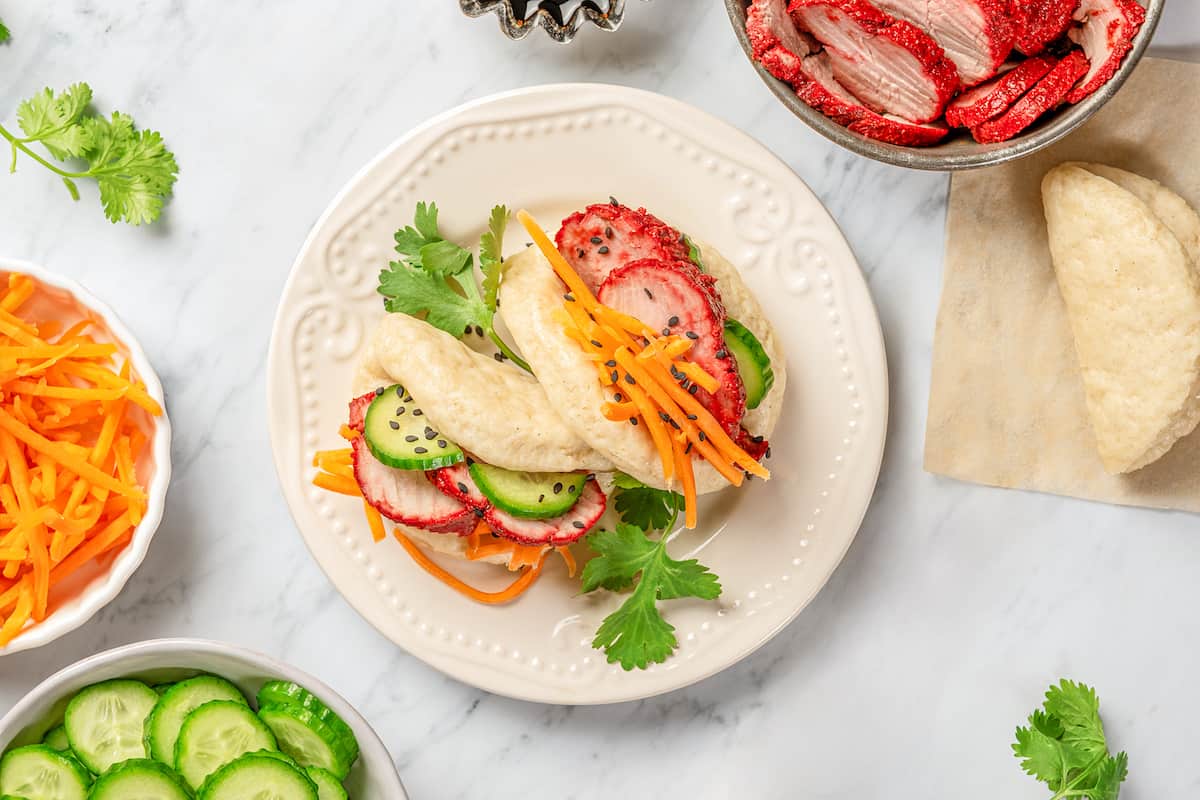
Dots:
pixel 1006 404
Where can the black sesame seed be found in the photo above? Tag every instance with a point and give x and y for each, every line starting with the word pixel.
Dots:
pixel 756 439
pixel 394 425
pixel 722 353
pixel 418 412
pixel 664 416
pixel 596 240
pixel 692 417
pixel 429 430
pixel 470 461
pixel 410 438
pixel 408 399
pixel 400 392
pixel 613 375
pixel 702 436
pixel 675 373
pixel 617 396
pixel 479 513
pixel 462 487
pixel 591 476
pixel 673 321
pixel 608 232
pixel 442 443
pixel 610 363
pixel 479 330
pixel 666 331
pixel 541 498
pixel 498 356
pixel 692 335
pixel 571 489
pixel 749 477
pixel 687 449
pixel 674 424
pixel 467 332
pixel 529 244
pixel 570 298
pixel 693 389
pixel 596 343
pixel 400 411
pixel 602 249
pixel 558 487
pixel 420 450
pixel 430 435
pixel 379 391
pixel 648 293
pixel 578 525
pixel 613 201
pixel 633 421
pixel 768 453
pixel 580 253
pixel 629 379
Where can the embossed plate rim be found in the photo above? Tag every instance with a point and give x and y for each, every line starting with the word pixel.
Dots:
pixel 845 296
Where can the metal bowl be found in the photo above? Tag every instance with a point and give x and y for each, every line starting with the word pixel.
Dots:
pixel 959 150
pixel 519 17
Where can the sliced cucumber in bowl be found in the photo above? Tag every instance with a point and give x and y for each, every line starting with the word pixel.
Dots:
pixel 286 693
pixel 173 707
pixel 56 737
pixel 105 723
pixel 328 785
pixel 313 742
pixel 39 772
pixel 258 777
pixel 215 734
pixel 140 779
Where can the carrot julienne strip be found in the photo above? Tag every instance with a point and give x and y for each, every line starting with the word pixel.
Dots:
pixel 506 595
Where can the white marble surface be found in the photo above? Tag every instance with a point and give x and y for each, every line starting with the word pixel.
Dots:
pixel 905 678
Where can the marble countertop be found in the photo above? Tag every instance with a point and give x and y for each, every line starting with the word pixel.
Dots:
pixel 954 609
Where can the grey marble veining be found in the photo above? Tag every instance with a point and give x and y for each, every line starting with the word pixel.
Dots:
pixel 905 678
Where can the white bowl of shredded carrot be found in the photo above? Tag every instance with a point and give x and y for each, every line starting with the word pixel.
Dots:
pixel 84 455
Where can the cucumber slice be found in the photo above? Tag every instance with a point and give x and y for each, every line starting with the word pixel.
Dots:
pixel 398 434
pixel 140 779
pixel 328 786
pixel 106 721
pixel 258 777
pixel 57 738
pixel 754 365
pixel 162 688
pixel 39 772
pixel 215 734
pixel 162 728
pixel 313 742
pixel 286 693
pixel 531 495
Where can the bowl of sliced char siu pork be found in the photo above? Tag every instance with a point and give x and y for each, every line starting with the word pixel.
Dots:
pixel 944 84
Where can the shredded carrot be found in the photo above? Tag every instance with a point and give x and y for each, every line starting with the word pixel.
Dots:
pixel 71 434
pixel 337 483
pixel 512 592
pixel 375 521
pixel 569 558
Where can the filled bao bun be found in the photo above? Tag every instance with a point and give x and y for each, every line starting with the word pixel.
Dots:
pixel 532 297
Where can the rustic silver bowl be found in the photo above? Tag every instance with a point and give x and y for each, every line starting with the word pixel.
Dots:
pixel 562 26
pixel 959 150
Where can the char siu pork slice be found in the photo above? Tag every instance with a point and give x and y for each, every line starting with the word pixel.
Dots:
pixel 776 41
pixel 993 98
pixel 890 65
pixel 606 236
pixel 822 91
pixel 976 34
pixel 1106 32
pixel 1047 94
pixel 669 298
pixel 1037 23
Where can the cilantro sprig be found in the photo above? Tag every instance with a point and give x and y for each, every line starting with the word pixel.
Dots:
pixel 4 34
pixel 133 168
pixel 1064 746
pixel 637 634
pixel 436 277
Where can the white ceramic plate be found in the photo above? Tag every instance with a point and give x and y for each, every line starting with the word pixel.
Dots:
pixel 95 584
pixel 554 149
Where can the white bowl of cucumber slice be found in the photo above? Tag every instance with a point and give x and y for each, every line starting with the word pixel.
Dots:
pixel 176 719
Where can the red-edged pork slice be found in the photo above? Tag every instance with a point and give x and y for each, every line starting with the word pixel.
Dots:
pixel 554 531
pixel 456 482
pixel 1047 94
pixel 757 447
pixel 890 65
pixel 993 98
pixel 976 34
pixel 775 40
pixel 358 410
pixel 407 497
pixel 1037 23
pixel 670 298
pixel 823 92
pixel 605 236
pixel 1106 32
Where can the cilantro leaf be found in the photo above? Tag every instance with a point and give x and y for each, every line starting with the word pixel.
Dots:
pixel 53 120
pixel 410 239
pixel 636 634
pixel 134 169
pixel 1065 746
pixel 445 258
pixel 647 508
pixel 491 258
pixel 412 290
pixel 4 34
